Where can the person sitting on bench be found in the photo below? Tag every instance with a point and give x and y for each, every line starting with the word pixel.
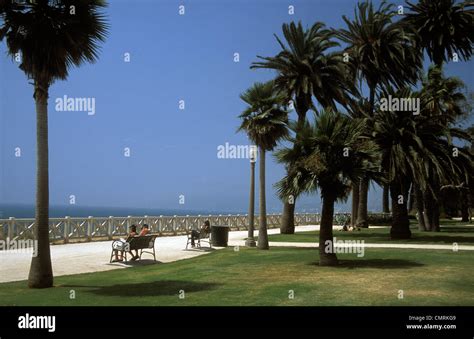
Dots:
pixel 144 231
pixel 205 229
pixel 119 245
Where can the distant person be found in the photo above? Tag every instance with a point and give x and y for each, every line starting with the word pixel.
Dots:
pixel 119 246
pixel 145 230
pixel 205 230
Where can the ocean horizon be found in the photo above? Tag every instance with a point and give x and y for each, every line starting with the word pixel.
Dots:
pixel 60 211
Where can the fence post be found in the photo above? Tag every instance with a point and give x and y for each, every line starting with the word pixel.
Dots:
pixel 67 227
pixel 11 224
pixel 89 228
pixel 174 224
pixel 110 227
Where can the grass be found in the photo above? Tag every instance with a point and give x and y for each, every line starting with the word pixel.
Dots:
pixel 461 233
pixel 250 277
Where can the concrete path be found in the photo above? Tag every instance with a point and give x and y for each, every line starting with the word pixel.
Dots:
pixel 94 256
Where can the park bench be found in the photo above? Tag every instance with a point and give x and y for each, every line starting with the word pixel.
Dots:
pixel 144 244
pixel 203 236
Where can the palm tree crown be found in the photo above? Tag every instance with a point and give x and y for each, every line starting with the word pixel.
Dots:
pixel 380 49
pixel 306 67
pixel 443 27
pixel 264 120
pixel 329 155
pixel 52 36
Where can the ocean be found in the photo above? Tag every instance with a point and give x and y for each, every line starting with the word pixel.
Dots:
pixel 57 211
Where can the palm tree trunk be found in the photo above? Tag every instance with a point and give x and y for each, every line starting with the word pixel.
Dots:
pixel 288 218
pixel 411 201
pixel 250 242
pixel 362 214
pixel 464 208
pixel 262 233
pixel 288 215
pixel 355 203
pixel 41 273
pixel 428 210
pixel 436 212
pixel 386 199
pixel 327 255
pixel 400 222
pixel 431 212
pixel 419 208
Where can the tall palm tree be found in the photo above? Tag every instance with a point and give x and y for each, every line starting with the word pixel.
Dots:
pixel 382 53
pixel 444 102
pixel 443 27
pixel 415 150
pixel 306 68
pixel 52 37
pixel 265 122
pixel 333 154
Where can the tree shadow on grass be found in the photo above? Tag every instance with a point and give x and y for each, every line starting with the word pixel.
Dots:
pixel 375 263
pixel 149 289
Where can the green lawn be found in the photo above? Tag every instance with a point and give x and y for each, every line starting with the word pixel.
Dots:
pixel 253 277
pixel 451 231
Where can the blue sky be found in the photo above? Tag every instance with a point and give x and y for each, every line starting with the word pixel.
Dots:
pixel 173 151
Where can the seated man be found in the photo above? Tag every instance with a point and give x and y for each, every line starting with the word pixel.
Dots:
pixel 205 230
pixel 120 245
pixel 144 231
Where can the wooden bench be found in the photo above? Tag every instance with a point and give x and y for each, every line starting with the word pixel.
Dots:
pixel 206 237
pixel 139 243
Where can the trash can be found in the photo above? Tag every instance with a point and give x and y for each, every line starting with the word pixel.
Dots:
pixel 219 235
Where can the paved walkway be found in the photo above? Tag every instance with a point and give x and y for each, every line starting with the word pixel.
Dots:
pixel 94 256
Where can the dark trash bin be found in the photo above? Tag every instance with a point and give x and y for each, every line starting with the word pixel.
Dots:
pixel 219 235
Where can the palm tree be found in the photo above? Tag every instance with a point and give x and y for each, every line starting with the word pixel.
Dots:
pixel 51 36
pixel 444 102
pixel 265 122
pixel 305 69
pixel 415 150
pixel 383 55
pixel 443 27
pixel 333 154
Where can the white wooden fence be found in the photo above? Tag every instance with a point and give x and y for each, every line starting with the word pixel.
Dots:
pixel 98 228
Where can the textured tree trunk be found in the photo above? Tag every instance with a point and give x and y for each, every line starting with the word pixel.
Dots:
pixel 419 208
pixel 436 212
pixel 327 255
pixel 288 218
pixel 250 242
pixel 262 232
pixel 288 215
pixel 411 201
pixel 355 203
pixel 464 207
pixel 431 212
pixel 400 222
pixel 41 273
pixel 428 210
pixel 362 214
pixel 386 199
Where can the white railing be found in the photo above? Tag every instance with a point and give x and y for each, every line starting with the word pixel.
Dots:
pixel 98 228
